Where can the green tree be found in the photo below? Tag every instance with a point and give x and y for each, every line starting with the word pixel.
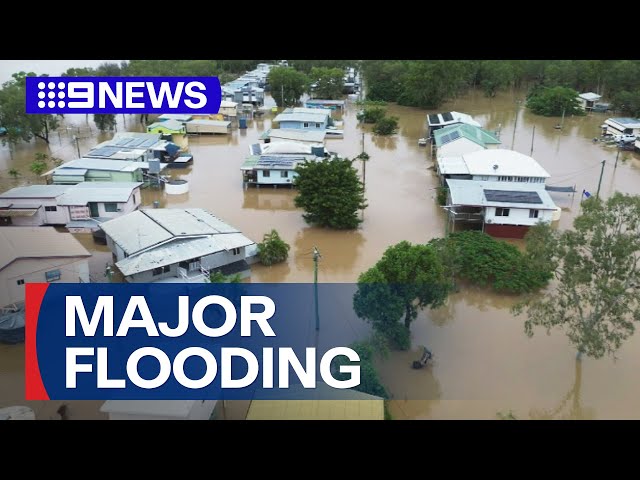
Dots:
pixel 485 261
pixel 330 193
pixel 495 75
pixel 553 101
pixel 14 173
pixel 219 277
pixel 407 278
pixel 386 126
pixel 19 125
pixel 369 379
pixel 371 114
pixel 383 79
pixel 105 121
pixel 597 266
pixel 287 85
pixel 272 249
pixel 628 102
pixel 329 82
pixel 38 167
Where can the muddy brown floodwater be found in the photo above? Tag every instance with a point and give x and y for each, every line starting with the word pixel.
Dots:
pixel 483 361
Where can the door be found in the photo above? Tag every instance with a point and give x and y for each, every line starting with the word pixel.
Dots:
pixel 93 209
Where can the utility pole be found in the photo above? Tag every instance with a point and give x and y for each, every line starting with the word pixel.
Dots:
pixel 316 257
pixel 600 181
pixel 75 138
pixel 513 139
pixel 533 135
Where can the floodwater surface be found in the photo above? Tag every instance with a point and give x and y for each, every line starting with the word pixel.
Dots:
pixel 483 361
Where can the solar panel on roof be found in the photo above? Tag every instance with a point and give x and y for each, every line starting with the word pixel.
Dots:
pixel 454 135
pixel 122 141
pixel 508 196
pixel 433 119
pixel 103 152
pixel 148 142
pixel 447 117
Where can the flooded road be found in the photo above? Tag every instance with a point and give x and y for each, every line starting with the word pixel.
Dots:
pixel 484 363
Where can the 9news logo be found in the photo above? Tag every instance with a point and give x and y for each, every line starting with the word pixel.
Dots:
pixel 113 95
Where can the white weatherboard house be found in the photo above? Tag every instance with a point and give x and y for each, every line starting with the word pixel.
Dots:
pixel 588 100
pixel 81 207
pixel 462 138
pixel 38 255
pixel 176 245
pixel 504 209
pixel 273 169
pixel 498 165
pixel 621 125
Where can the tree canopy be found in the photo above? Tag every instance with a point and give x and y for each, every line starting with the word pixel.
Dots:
pixel 407 278
pixel 330 192
pixel 13 117
pixel 287 85
pixel 328 82
pixel 596 298
pixel 554 101
pixel 272 249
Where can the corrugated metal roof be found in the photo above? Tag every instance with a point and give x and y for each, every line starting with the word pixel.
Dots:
pixel 71 172
pixel 296 134
pixel 179 117
pixel 36 191
pixel 37 242
pixel 116 153
pixel 335 405
pixel 168 124
pixel 215 123
pixel 141 229
pixel 499 161
pixel 475 134
pixel 317 101
pixel 301 117
pixel 18 212
pixel 135 231
pixel 625 121
pixel 228 104
pixel 86 192
pixel 590 96
pixel 181 250
pixel 472 193
pixel 322 111
pixel 448 118
pixel 101 164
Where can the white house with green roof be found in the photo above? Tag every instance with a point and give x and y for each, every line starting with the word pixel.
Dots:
pixel 463 138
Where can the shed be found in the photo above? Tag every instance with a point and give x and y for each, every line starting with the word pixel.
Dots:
pixel 208 127
pixel 588 100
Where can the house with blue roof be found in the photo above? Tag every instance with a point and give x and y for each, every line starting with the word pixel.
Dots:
pixel 463 138
pixel 303 120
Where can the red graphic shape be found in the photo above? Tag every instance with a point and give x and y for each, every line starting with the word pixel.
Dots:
pixel 34 388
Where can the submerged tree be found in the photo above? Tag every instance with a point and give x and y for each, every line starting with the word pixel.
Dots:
pixel 330 192
pixel 328 82
pixel 105 121
pixel 386 126
pixel 597 298
pixel 272 249
pixel 554 101
pixel 287 85
pixel 390 294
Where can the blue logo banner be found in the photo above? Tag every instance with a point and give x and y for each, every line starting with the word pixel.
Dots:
pixel 181 341
pixel 102 95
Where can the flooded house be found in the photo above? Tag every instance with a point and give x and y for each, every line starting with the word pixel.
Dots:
pixel 228 109
pixel 322 103
pixel 137 147
pixel 295 135
pixel 289 148
pixel 501 209
pixel 303 120
pixel 210 127
pixel 176 245
pixel 463 138
pixel 588 100
pixel 621 126
pixel 274 169
pixel 80 208
pixel 38 255
pixel 167 127
pixel 101 170
pixel 493 165
pixel 436 121
pixel 178 117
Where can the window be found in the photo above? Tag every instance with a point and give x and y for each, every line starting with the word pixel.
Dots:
pixel 266 173
pixel 52 276
pixel 284 173
pixel 161 270
pixel 110 207
pixel 50 208
pixel 20 282
pixel 502 212
pixel 135 200
pixel 235 251
pixel 317 125
pixel 306 124
pixel 534 213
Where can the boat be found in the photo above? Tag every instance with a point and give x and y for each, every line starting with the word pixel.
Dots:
pixel 12 322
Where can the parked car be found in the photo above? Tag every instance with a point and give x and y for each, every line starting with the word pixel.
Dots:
pixel 624 138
